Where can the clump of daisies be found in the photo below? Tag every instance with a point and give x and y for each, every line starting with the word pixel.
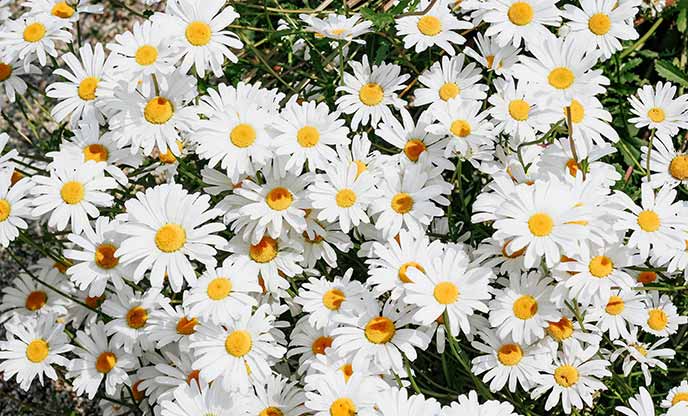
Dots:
pixel 437 230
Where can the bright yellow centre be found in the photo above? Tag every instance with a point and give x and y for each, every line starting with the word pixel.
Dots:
pixel 5 71
pixel 577 111
pixel 321 344
pixel 566 376
pixel 219 288
pixel 540 224
pixel 345 198
pixel 265 251
pixel 279 198
pixel 371 94
pixel 37 350
pixel 159 110
pixel 449 90
pixel 343 407
pixel 413 149
pixel 657 319
pixel 520 13
pixel 34 32
pixel 243 135
pixel 238 343
pixel 656 114
pixel 402 203
pixel 170 238
pixel 380 330
pixel 72 192
pixel 615 305
pixel 601 266
pixel 446 293
pixel 679 167
pixel 561 329
pixel 105 362
pixel 198 33
pixel 460 128
pixel 271 411
pixel 333 298
pixel 186 326
pixel 648 221
pixel 518 110
pixel 5 209
pixel 525 307
pixel 96 152
pixel 146 55
pixel 105 256
pixel 679 397
pixel 429 25
pixel 63 10
pixel 599 24
pixel 561 78
pixel 403 276
pixel 308 136
pixel 510 354
pixel 87 88
pixel 137 317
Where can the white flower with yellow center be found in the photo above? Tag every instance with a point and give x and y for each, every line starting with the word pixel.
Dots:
pixel 656 225
pixel 647 355
pixel 499 59
pixel 378 336
pixel 72 194
pixel 469 405
pixel 326 301
pixel 449 285
pixel 601 23
pixel 277 396
pixel 449 79
pixel 465 125
pixel 514 20
pixel 168 227
pixel 98 359
pixel 31 37
pixel 239 352
pixel 640 405
pixel 26 297
pixel 306 133
pixel 169 325
pixel 94 263
pixel 658 108
pixel 308 343
pixel 198 32
pixel 500 257
pixel 560 71
pixel 207 399
pixel 618 314
pixel 221 293
pixel 677 397
pixel 154 119
pixel 397 402
pixel 338 27
pixel 15 208
pixel 77 98
pixel 573 377
pixel 130 313
pixel 333 395
pixel 32 348
pixel 668 165
pixel 68 11
pixel 661 315
pixel 370 91
pixel 436 27
pixel 11 72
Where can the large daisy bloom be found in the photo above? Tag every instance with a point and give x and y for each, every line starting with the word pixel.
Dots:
pixel 434 28
pixel 512 21
pixel 15 207
pixel 31 37
pixel 338 27
pixel 658 108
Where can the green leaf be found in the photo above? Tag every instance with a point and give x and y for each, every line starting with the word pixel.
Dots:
pixel 671 72
pixel 681 20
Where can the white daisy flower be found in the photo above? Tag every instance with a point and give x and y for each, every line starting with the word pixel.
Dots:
pixel 168 227
pixel 668 166
pixel 658 108
pixel 332 395
pixel 308 343
pixel 15 207
pixel 32 36
pixel 499 59
pixel 62 10
pixel 435 27
pixel 647 355
pixel 449 79
pixel 26 297
pixel 514 20
pixel 370 92
pixel 469 405
pixel 130 312
pixel 621 312
pixel 319 241
pixel 11 71
pixel 466 126
pixel 169 326
pixel 661 315
pixel 338 27
pixel 202 399
pixel 397 402
pixel 499 257
pixel 677 396
pixel 278 396
pixel 640 405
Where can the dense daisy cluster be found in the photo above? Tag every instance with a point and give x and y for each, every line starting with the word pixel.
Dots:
pixel 236 248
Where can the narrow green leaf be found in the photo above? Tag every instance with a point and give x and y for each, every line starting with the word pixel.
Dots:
pixel 671 72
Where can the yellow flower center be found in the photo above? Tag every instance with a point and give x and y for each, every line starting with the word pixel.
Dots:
pixel 343 407
pixel 515 254
pixel 429 25
pixel 601 266
pixel 105 362
pixel 186 326
pixel 615 305
pixel 640 348
pixel 518 110
pixel 279 198
pixel 561 329
pixel 577 111
pixel 656 114
pixel 525 307
pixel 37 350
pixel 333 298
pixel 271 411
pixel 599 24
pixel 63 10
pixel 446 293
pixel 87 88
pixel 540 224
pixel 561 78
pixel 72 192
pixel 449 90
pixel 308 136
pixel 402 203
pixel 490 60
pixel 219 288
pixel 371 94
pixel 347 370
pixel 679 397
pixel 413 149
pixel 566 376
pixel 648 221
pixel 243 135
pixel 5 209
pixel 34 32
pixel 170 238
pixel 460 128
pixel 380 330
pixel 345 198
pixel 265 251
pixel 238 343
pixel 647 277
pixel 657 319
pixel 36 300
pixel 198 33
pixel 5 71
pixel 403 276
pixel 321 344
pixel 520 13
pixel 159 110
pixel 337 32
pixel 679 167
pixel 146 55
pixel 96 152
pixel 137 317
pixel 105 256
pixel 510 354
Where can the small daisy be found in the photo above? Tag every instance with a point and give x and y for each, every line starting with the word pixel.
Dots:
pixel 436 27
pixel 130 313
pixel 11 82
pixel 618 316
pixel 332 395
pixel 169 326
pixel 63 10
pixel 661 316
pixel 319 241
pixel 15 207
pixel 493 57
pixel 32 348
pixel 308 343
pixel 513 20
pixel 32 36
pixel 647 355
pixel 676 396
pixel 202 399
pixel 338 27
pixel 668 166
pixel 658 108
pixel 27 297
pixel 449 79
pixel 370 92
pixel 466 126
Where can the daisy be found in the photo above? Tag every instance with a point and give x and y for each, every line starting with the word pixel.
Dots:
pixel 523 309
pixel 198 31
pixel 169 325
pixel 341 194
pixel 513 20
pixel 15 207
pixel 649 356
pixel 72 194
pixel 221 293
pixel 63 10
pixel 601 23
pixel 319 241
pixel 238 352
pixel 449 79
pixel 397 402
pixel 573 377
pixel 370 92
pixel 435 27
pixel 130 313
pixel 32 348
pixel 658 108
pixel 202 399
pixel 32 36
pixel 10 77
pixel 98 359
pixel 334 396
pixel 661 316
pixel 560 71
pixel 466 126
pixel 676 397
pixel 499 59
pixel 618 316
pixel 166 228
pixel 77 97
pixel 306 132
pixel 308 342
pixel 567 330
pixel 338 27
pixel 668 166
pixel 94 263
pixel 448 285
pixel 469 405
pixel 499 257
pixel 26 297
pixel 278 396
